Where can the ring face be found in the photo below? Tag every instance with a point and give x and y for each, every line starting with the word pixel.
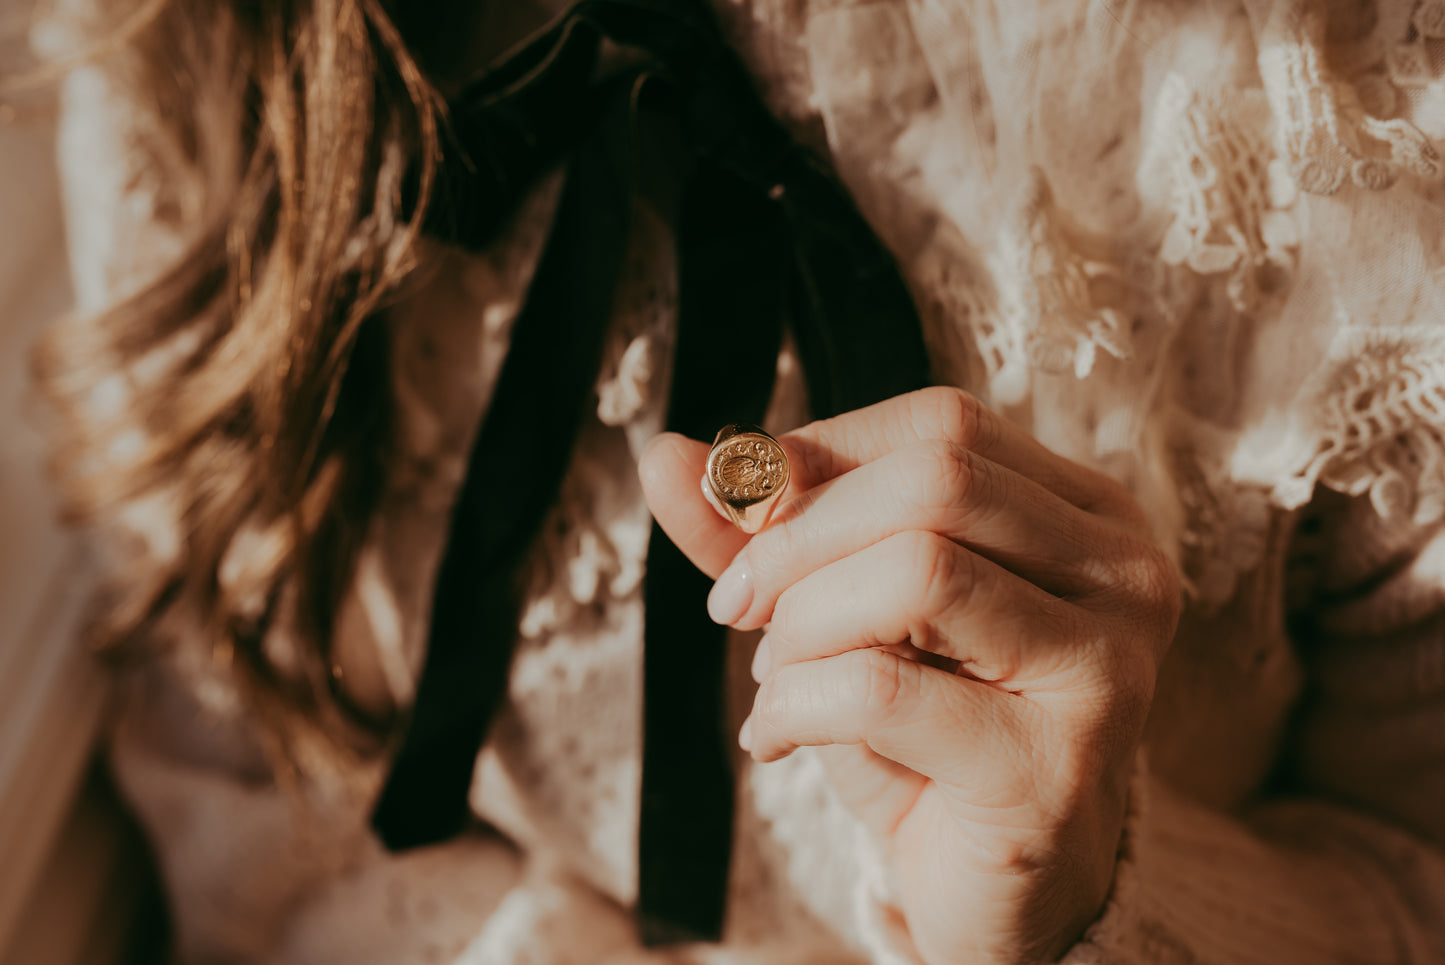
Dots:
pixel 747 470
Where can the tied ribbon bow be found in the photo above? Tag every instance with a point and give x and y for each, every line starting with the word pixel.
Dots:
pixel 765 237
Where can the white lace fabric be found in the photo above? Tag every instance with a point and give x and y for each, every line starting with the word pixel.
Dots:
pixel 1199 245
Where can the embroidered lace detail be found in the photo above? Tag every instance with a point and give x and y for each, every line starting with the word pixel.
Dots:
pixel 1429 19
pixel 1226 523
pixel 1049 291
pixel 633 378
pixel 1230 200
pixel 595 540
pixel 449 342
pixel 1410 62
pixel 588 548
pixel 1383 425
pixel 630 382
pixel 1325 132
pixel 623 390
pixel 970 343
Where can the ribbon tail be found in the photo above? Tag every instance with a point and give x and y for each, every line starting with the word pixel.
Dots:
pixel 732 257
pixel 859 336
pixel 516 468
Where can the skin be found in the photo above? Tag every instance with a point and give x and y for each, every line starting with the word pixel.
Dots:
pixel 968 628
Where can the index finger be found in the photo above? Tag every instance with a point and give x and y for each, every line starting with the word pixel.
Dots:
pixel 831 447
pixel 672 467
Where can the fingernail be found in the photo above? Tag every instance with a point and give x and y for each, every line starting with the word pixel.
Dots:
pixel 745 735
pixel 762 659
pixel 711 498
pixel 731 595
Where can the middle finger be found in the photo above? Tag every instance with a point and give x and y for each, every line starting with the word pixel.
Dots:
pixel 927 593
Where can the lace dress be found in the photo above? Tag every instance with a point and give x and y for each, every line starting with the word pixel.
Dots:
pixel 1199 245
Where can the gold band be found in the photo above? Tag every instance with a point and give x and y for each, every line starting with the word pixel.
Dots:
pixel 746 473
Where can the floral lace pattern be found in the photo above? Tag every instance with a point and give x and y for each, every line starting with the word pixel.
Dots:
pixel 1230 199
pixel 1224 533
pixel 1380 421
pixel 1080 283
pixel 1050 293
pixel 1325 132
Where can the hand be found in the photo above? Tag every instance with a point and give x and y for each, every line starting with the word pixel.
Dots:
pixel 968 627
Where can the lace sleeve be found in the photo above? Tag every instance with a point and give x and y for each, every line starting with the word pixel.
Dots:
pixel 1291 881
pixel 1294 880
pixel 1344 862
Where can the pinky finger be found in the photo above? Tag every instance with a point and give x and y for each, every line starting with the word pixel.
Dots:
pixel 928 720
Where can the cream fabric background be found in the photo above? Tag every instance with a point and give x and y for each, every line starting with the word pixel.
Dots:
pixel 1197 244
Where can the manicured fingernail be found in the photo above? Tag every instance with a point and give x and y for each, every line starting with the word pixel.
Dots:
pixel 762 659
pixel 731 595
pixel 711 498
pixel 745 735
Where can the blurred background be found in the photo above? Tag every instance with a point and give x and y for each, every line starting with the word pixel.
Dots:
pixel 75 885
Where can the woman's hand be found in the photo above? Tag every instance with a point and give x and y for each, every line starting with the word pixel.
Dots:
pixel 968 627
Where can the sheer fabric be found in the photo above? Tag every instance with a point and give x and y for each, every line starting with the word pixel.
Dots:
pixel 1199 245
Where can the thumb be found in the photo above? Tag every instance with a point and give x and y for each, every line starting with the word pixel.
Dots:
pixel 671 470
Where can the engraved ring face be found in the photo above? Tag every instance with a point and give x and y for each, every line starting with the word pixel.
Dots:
pixel 747 470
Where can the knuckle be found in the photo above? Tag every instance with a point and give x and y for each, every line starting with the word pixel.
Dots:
pixel 953 415
pixel 873 684
pixel 1140 584
pixel 768 712
pixel 936 571
pixel 779 702
pixel 788 621
pixel 940 474
pixel 1110 571
pixel 1157 589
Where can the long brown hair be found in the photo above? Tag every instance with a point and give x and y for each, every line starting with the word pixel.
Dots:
pixel 255 403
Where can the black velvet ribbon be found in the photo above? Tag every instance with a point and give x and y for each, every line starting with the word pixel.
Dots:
pixel 766 239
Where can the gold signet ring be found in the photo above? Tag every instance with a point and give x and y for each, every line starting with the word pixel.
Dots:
pixel 746 473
